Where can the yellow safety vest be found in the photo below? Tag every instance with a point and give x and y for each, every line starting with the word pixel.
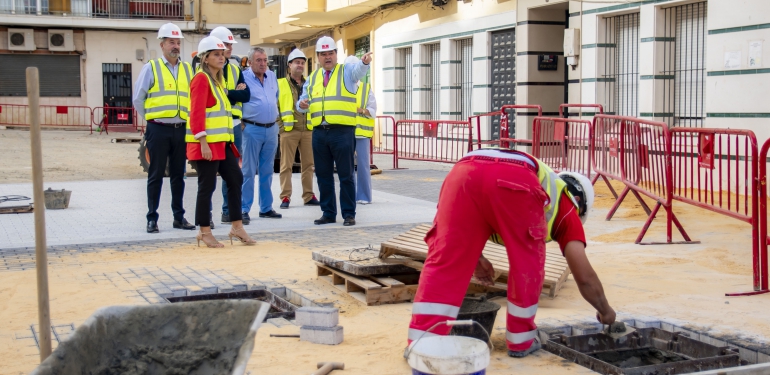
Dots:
pixel 219 118
pixel 334 103
pixel 364 125
pixel 286 106
pixel 235 75
pixel 168 97
pixel 553 186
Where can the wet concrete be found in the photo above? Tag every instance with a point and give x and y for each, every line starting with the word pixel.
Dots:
pixel 199 338
pixel 638 357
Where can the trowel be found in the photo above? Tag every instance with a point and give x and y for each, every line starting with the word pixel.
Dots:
pixel 618 329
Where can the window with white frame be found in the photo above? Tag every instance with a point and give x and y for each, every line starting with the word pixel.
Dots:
pixel 464 79
pixel 621 65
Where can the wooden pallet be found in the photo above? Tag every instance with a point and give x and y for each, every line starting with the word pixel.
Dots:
pixel 17 209
pixel 412 245
pixel 371 290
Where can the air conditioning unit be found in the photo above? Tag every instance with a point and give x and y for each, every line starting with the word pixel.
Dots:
pixel 21 40
pixel 60 40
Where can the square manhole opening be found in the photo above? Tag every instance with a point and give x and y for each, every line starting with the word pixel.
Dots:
pixel 279 307
pixel 644 352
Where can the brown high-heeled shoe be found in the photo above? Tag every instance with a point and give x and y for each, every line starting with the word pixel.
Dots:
pixel 215 244
pixel 242 236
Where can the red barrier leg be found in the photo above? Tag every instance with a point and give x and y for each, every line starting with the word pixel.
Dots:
pixel 647 223
pixel 612 190
pixel 642 202
pixel 617 203
pixel 670 218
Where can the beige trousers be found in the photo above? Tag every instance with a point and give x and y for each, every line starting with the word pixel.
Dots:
pixel 289 143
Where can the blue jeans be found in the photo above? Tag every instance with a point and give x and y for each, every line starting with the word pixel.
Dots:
pixel 238 137
pixel 259 146
pixel 335 146
pixel 363 173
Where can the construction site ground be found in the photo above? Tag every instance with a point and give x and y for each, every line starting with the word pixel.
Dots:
pixel 99 256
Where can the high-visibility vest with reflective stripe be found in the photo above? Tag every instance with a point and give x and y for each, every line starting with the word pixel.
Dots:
pixel 168 97
pixel 553 186
pixel 286 106
pixel 219 118
pixel 364 125
pixel 334 103
pixel 235 75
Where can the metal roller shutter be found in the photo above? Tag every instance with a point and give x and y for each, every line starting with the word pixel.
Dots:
pixel 59 74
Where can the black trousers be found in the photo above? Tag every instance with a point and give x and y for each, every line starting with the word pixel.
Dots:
pixel 165 143
pixel 335 146
pixel 207 183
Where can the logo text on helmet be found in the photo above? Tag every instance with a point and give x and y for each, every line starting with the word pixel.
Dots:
pixel 324 46
pixel 230 37
pixel 174 32
pixel 220 45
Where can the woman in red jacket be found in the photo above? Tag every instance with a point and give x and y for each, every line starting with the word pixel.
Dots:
pixel 210 142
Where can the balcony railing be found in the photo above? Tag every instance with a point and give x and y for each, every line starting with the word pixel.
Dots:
pixel 154 9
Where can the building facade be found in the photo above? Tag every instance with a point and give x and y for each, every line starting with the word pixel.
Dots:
pixel 691 63
pixel 90 52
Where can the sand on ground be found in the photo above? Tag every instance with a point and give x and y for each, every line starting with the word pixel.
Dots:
pixel 69 155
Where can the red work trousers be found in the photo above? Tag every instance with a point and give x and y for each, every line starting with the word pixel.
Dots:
pixel 480 196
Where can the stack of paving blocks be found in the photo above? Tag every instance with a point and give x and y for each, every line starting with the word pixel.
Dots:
pixel 319 325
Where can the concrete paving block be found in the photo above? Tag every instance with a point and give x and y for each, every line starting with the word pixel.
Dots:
pixel 646 323
pixel 692 331
pixel 279 291
pixel 321 335
pixel 666 326
pixel 586 328
pixel 280 322
pixel 255 285
pixel 747 349
pixel 317 316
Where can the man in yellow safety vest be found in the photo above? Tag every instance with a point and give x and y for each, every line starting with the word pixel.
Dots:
pixel 295 131
pixel 163 97
pixel 329 95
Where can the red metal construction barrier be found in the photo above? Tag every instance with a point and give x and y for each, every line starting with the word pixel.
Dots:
pixel 563 144
pixel 637 152
pixel 476 119
pixel 562 113
pixel 50 116
pixel 431 140
pixel 717 170
pixel 505 140
pixel 760 262
pixel 386 126
pixel 117 119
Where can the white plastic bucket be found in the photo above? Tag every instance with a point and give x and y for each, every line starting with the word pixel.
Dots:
pixel 448 355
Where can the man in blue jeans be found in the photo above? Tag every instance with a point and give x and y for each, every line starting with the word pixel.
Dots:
pixel 237 93
pixel 329 94
pixel 260 135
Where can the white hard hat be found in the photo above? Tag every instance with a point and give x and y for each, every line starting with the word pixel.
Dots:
pixel 325 43
pixel 210 43
pixel 581 188
pixel 169 30
pixel 223 34
pixel 351 60
pixel 297 54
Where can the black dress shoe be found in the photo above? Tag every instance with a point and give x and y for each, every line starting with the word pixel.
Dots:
pixel 270 214
pixel 246 219
pixel 313 202
pixel 184 224
pixel 152 227
pixel 324 220
pixel 225 218
pixel 349 221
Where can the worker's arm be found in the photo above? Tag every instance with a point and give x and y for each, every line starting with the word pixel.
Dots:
pixel 143 84
pixel 587 281
pixel 353 73
pixel 239 95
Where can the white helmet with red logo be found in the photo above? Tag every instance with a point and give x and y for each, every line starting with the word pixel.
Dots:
pixel 210 43
pixel 325 43
pixel 581 188
pixel 169 30
pixel 224 34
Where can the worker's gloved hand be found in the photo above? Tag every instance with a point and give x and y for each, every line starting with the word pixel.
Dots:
pixel 606 317
pixel 484 272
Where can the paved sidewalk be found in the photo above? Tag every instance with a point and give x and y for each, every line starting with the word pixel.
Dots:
pixel 114 211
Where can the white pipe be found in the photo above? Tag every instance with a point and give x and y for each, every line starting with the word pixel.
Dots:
pixel 39 4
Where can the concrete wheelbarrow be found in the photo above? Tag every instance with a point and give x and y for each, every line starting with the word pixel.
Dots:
pixel 197 338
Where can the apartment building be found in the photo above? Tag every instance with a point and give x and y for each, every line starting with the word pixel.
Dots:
pixel 686 62
pixel 90 52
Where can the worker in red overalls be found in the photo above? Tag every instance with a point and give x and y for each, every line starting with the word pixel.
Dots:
pixel 517 201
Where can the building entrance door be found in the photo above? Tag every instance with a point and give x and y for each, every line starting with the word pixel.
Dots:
pixel 117 93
